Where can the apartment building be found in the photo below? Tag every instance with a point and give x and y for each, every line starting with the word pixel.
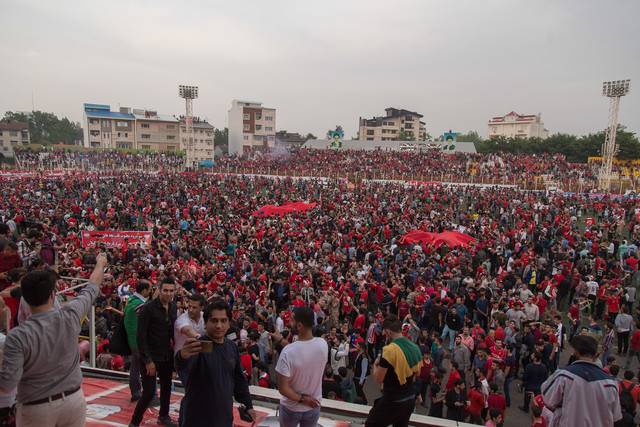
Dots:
pixel 251 127
pixel 104 128
pixel 156 132
pixel 203 133
pixel 129 128
pixel 13 134
pixel 391 126
pixel 514 125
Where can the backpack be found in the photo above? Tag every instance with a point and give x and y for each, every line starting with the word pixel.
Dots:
pixel 627 402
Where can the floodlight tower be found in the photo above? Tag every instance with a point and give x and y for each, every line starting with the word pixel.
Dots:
pixel 189 93
pixel 614 90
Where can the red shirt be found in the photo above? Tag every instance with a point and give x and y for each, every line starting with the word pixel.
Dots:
pixel 358 324
pixel 613 304
pixel 247 365
pixel 635 340
pixel 497 401
pixel 453 378
pixel 476 400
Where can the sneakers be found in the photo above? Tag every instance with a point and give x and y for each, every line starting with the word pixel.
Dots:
pixel 166 421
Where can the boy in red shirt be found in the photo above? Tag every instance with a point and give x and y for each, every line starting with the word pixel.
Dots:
pixel 496 400
pixel 634 350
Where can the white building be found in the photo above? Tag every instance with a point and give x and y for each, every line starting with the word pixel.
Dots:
pixel 203 134
pixel 251 127
pixel 514 125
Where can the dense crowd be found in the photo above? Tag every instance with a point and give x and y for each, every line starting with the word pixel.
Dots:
pixel 526 171
pixel 484 315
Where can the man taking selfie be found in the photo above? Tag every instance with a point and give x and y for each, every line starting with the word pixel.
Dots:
pixel 213 373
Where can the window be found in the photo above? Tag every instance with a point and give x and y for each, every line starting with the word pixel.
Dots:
pixel 145 136
pixel 171 137
pixel 123 124
pixel 271 138
pixel 369 139
pixel 268 128
pixel 370 132
pixel 258 127
pixel 171 126
pixel 171 147
pixel 0 133
pixel 258 137
pixel 258 116
pixel 146 147
pixel 13 133
pixel 95 133
pixel 94 121
pixel 118 134
pixel 246 117
pixel 245 127
pixel 246 137
pixel 268 118
pixel 145 125
pixel 126 135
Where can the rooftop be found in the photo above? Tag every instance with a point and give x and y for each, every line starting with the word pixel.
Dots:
pixel 14 126
pixel 104 111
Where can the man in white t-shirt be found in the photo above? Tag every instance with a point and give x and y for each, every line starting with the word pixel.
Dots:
pixel 189 324
pixel 300 369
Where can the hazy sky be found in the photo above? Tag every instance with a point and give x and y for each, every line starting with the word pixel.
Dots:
pixel 327 62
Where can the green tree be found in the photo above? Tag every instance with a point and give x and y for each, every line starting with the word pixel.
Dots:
pixel 471 136
pixel 221 139
pixel 406 136
pixel 575 148
pixel 47 128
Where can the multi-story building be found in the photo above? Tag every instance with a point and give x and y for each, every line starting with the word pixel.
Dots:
pixel 290 140
pixel 396 124
pixel 514 125
pixel 13 134
pixel 251 127
pixel 203 133
pixel 129 128
pixel 104 128
pixel 156 132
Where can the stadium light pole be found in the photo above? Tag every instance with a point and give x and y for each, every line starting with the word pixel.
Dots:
pixel 189 93
pixel 614 90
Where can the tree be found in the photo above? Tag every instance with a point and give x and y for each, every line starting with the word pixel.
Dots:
pixel 406 136
pixel 575 148
pixel 47 128
pixel 221 139
pixel 471 136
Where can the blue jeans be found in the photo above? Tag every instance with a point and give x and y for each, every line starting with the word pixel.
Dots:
pixel 452 336
pixel 289 418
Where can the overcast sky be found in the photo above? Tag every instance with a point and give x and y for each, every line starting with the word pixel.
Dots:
pixel 327 62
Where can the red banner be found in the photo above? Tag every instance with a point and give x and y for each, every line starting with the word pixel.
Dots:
pixel 115 239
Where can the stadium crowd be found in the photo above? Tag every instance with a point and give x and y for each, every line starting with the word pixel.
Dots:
pixel 433 165
pixel 541 270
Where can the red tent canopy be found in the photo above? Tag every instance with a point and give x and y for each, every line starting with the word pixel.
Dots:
pixel 417 236
pixel 450 238
pixel 273 210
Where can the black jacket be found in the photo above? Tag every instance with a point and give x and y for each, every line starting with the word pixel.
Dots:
pixel 155 331
pixel 453 321
pixel 213 381
pixel 534 375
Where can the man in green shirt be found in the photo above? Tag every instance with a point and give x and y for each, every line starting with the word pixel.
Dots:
pixel 134 304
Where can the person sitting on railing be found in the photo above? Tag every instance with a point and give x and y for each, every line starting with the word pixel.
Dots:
pixel 41 354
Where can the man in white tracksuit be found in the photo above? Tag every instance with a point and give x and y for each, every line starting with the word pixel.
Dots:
pixel 582 394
